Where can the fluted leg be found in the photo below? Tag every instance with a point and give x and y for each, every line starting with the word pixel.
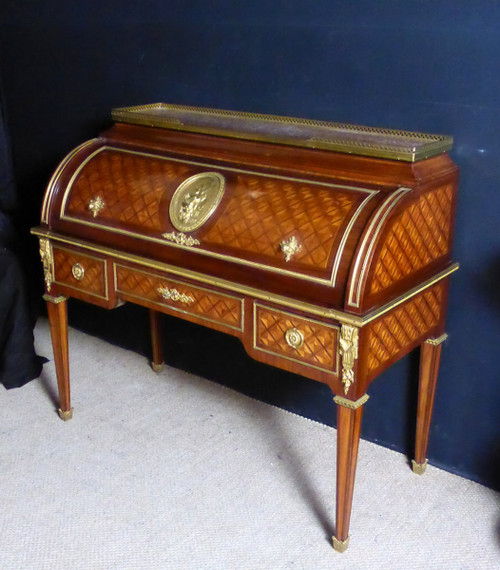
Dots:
pixel 349 416
pixel 157 363
pixel 58 320
pixel 430 354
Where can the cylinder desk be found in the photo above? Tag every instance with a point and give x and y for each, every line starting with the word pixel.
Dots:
pixel 325 248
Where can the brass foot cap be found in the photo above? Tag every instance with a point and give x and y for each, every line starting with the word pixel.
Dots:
pixel 340 545
pixel 65 415
pixel 418 468
pixel 157 367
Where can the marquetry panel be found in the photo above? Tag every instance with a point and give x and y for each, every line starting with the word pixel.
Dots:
pixel 416 237
pixel 211 306
pixel 83 272
pixel 130 185
pixel 396 331
pixel 295 338
pixel 262 212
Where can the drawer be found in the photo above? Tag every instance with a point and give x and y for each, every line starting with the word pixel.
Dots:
pixel 180 296
pixel 80 271
pixel 294 338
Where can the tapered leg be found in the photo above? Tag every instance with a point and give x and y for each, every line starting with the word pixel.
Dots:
pixel 58 320
pixel 430 353
pixel 349 416
pixel 157 363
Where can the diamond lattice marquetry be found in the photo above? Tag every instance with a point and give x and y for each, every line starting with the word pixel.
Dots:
pixel 418 236
pixel 389 335
pixel 130 185
pixel 93 280
pixel 318 347
pixel 262 212
pixel 220 308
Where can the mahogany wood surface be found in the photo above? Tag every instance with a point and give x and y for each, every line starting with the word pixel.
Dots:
pixel 156 339
pixel 348 432
pixel 312 162
pixel 368 284
pixel 429 367
pixel 58 319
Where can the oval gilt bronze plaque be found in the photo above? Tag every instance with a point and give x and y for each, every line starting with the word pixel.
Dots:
pixel 195 200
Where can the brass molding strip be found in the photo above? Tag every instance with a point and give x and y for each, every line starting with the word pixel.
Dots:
pixel 57 174
pixel 325 312
pixel 411 293
pixel 340 251
pixel 55 300
pixel 358 275
pixel 437 341
pixel 352 405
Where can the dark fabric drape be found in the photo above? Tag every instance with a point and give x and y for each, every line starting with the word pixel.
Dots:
pixel 18 361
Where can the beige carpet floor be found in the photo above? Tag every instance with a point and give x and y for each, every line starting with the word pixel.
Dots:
pixel 170 471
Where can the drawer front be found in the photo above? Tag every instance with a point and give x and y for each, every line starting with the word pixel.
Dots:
pixel 296 338
pixel 226 310
pixel 82 272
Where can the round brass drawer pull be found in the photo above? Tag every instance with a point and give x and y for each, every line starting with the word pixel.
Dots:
pixel 78 272
pixel 174 295
pixel 294 338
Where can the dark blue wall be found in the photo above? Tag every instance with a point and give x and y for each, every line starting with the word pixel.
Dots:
pixel 418 65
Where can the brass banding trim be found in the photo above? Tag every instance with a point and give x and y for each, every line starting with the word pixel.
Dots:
pixel 55 178
pixel 437 341
pixel 408 295
pixel 343 241
pixel 351 404
pixel 376 225
pixel 325 312
pixel 55 300
pixel 330 280
pixel 72 181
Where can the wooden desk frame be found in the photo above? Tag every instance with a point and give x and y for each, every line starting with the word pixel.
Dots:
pixel 379 290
